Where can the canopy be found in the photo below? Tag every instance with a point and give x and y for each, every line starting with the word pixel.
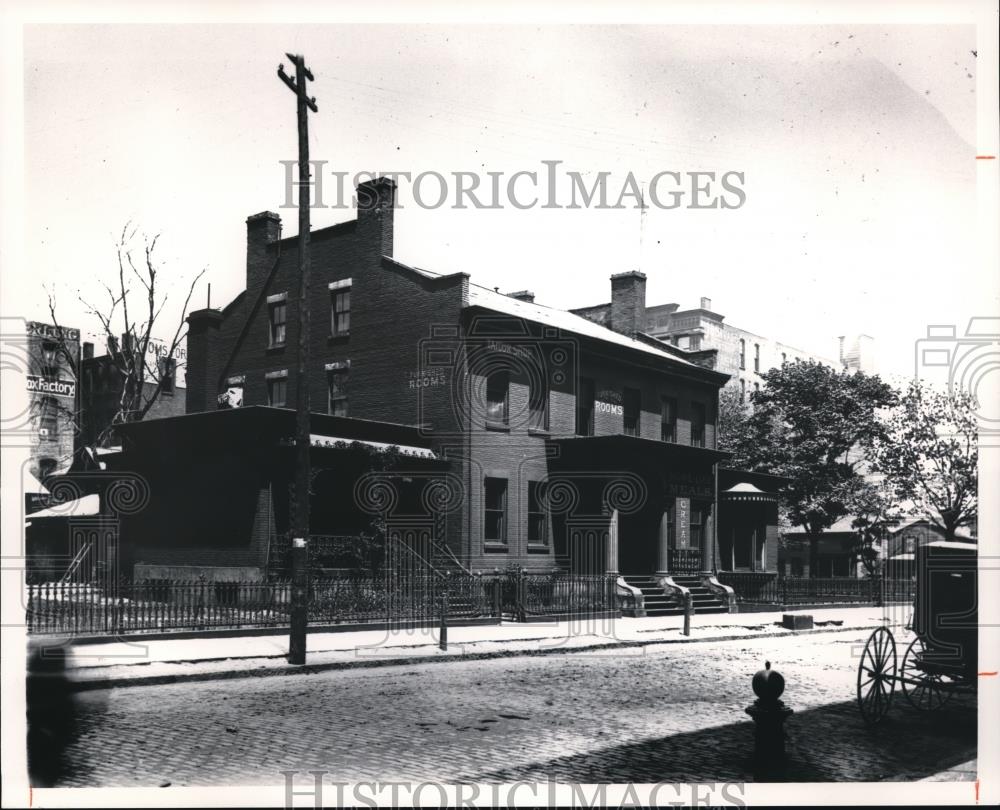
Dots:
pixel 745 491
pixel 82 507
pixel 331 441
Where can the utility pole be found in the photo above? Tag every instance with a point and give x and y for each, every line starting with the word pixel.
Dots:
pixel 300 524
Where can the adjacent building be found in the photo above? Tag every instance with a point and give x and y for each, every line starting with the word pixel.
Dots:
pixel 52 355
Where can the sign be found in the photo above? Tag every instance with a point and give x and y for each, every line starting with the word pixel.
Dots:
pixel 507 348
pixel 427 378
pixel 43 385
pixel 684 484
pixel 609 401
pixel 46 330
pixel 682 525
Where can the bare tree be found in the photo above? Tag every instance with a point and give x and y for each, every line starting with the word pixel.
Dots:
pixel 128 318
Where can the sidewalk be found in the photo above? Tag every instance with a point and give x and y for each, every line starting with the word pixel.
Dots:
pixel 137 662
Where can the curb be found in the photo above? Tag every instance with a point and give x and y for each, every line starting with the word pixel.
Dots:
pixel 403 660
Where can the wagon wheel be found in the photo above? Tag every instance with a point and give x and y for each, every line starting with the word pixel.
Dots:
pixel 925 691
pixel 877 675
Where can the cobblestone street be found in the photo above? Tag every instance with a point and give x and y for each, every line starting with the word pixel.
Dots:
pixel 672 712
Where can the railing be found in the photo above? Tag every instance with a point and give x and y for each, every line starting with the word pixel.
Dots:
pixel 684 560
pixel 523 595
pixel 769 588
pixel 151 606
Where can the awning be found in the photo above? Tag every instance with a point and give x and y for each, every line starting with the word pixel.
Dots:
pixel 744 491
pixel 31 485
pixel 317 440
pixel 82 507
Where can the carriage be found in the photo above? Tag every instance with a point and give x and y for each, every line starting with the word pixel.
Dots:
pixel 940 662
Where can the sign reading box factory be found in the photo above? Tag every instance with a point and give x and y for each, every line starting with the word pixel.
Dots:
pixel 42 385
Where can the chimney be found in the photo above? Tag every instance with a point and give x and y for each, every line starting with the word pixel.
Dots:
pixel 628 302
pixel 523 295
pixel 88 351
pixel 263 230
pixel 376 205
pixel 706 303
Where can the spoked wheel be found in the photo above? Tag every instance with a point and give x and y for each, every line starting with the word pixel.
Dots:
pixel 924 691
pixel 877 675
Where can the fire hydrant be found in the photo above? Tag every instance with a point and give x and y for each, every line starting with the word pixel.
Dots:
pixel 769 715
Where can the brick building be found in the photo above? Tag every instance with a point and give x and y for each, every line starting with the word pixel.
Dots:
pixel 703 334
pixel 550 440
pixel 52 357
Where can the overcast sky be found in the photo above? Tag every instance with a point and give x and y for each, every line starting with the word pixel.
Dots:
pixel 857 144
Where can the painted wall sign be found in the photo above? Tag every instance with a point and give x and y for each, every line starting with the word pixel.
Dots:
pixel 681 484
pixel 507 348
pixel 59 388
pixel 427 378
pixel 683 523
pixel 46 330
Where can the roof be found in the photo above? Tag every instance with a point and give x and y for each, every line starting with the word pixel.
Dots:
pixel 922 520
pixel 570 322
pixel 81 507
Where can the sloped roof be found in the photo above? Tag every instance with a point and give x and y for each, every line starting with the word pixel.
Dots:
pixel 569 322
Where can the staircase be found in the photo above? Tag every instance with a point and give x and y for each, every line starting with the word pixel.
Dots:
pixel 659 603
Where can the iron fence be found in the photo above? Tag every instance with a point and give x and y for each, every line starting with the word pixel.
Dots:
pixel 770 588
pixel 684 560
pixel 160 605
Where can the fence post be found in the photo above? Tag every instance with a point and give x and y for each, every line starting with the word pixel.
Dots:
pixel 688 609
pixel 784 590
pixel 443 630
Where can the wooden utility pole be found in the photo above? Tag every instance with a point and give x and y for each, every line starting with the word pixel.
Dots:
pixel 300 524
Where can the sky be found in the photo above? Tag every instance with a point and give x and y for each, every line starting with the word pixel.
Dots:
pixel 857 144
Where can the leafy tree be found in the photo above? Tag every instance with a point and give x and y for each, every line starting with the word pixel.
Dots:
pixel 812 424
pixel 732 422
pixel 929 456
pixel 875 512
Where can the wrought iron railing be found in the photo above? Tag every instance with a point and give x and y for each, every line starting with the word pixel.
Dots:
pixel 684 560
pixel 523 595
pixel 770 588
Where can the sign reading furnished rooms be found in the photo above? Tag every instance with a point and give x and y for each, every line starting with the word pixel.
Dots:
pixel 42 385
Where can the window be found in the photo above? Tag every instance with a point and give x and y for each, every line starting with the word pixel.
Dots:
pixel 631 401
pixel 538 526
pixel 784 358
pixel 585 408
pixel 277 389
pixel 336 382
pixel 797 566
pixel 909 544
pixel 756 388
pixel 49 418
pixel 340 308
pixel 697 424
pixel 497 390
pixel 684 342
pixel 668 419
pixel 46 467
pixel 496 510
pixel 743 354
pixel 756 357
pixel 538 406
pixel 167 369
pixel 698 520
pixel 743 391
pixel 278 315
pixel 695 344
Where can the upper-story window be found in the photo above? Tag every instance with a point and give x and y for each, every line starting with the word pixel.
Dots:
pixel 697 424
pixel 538 405
pixel 756 357
pixel 743 391
pixel 166 367
pixel 668 419
pixel 336 382
pixel 49 418
pixel 277 306
pixel 340 307
pixel 631 402
pixel 743 354
pixel 585 407
pixel 277 388
pixel 784 358
pixel 497 396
